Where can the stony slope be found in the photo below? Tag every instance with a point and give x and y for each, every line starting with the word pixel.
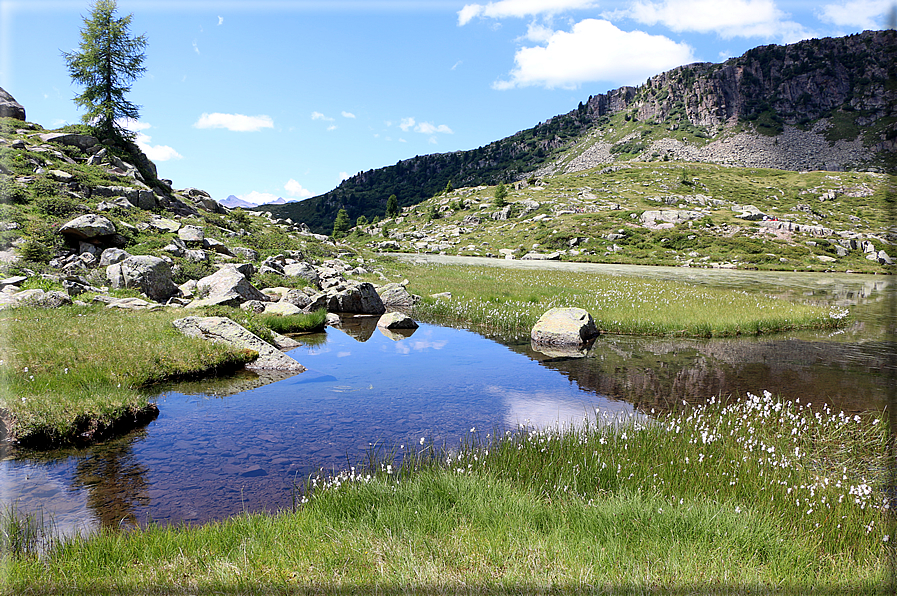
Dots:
pixel 818 104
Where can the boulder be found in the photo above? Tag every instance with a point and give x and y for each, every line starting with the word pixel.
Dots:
pixel 9 107
pixel 39 298
pixel 247 254
pixel 224 330
pixel 83 142
pixel 88 226
pixel 281 308
pixel 359 298
pixel 193 234
pixel 395 296
pixel 564 326
pixel 396 320
pixel 163 224
pixel 296 298
pixel 535 256
pixel 226 286
pixel 151 275
pixel 303 270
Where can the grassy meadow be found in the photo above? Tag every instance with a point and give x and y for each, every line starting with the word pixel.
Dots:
pixel 757 495
pixel 511 301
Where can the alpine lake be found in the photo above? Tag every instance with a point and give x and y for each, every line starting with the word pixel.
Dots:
pixel 248 442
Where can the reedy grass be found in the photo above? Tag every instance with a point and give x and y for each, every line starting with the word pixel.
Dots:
pixel 511 301
pixel 298 323
pixel 63 368
pixel 708 499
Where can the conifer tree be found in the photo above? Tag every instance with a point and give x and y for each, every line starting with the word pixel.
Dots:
pixel 109 59
pixel 341 224
pixel 392 206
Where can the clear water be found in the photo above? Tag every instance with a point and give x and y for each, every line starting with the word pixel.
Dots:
pixel 227 445
pixel 212 453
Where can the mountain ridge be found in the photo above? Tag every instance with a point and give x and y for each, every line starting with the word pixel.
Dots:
pixel 807 95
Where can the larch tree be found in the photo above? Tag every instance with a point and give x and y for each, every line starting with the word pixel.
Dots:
pixel 108 61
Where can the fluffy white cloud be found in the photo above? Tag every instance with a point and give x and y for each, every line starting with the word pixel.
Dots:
pixel 320 116
pixel 864 14
pixel 595 50
pixel 295 189
pixel 234 122
pixel 406 123
pixel 520 8
pixel 733 18
pixel 348 115
pixel 143 140
pixel 429 128
pixel 220 20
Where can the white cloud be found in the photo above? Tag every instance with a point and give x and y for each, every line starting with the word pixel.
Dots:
pixel 406 123
pixel 538 33
pixel 258 198
pixel 863 14
pixel 332 127
pixel 295 189
pixel 234 122
pixel 595 50
pixel 457 64
pixel 143 140
pixel 520 8
pixel 429 128
pixel 320 116
pixel 733 18
pixel 348 114
pixel 195 46
pixel 344 176
pixel 220 21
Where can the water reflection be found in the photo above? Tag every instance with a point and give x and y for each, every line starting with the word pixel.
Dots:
pixel 114 480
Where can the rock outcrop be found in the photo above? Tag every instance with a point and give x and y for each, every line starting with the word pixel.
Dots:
pixel 151 275
pixel 224 330
pixel 9 107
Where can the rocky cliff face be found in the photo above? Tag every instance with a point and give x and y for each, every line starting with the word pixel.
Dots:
pixel 794 84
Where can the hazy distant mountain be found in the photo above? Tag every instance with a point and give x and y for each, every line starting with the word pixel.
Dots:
pixel 232 202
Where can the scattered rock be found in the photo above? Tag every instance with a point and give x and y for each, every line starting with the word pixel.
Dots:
pixel 9 107
pixel 226 286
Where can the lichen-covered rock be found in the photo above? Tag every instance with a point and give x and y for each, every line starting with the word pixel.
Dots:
pixel 226 286
pixel 564 326
pixel 151 275
pixel 357 298
pixel 395 296
pixel 224 330
pixel 88 226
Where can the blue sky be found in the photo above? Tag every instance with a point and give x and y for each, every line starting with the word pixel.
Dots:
pixel 285 98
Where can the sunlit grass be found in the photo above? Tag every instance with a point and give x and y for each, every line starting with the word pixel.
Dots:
pixel 64 369
pixel 511 301
pixel 754 495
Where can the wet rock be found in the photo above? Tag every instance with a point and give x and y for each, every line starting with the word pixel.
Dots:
pixel 564 326
pixel 224 330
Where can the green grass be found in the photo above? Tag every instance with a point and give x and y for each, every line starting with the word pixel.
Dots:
pixel 66 371
pixel 299 323
pixel 511 301
pixel 721 498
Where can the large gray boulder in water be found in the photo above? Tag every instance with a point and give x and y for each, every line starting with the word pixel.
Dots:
pixel 564 327
pixel 224 330
pixel 151 275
